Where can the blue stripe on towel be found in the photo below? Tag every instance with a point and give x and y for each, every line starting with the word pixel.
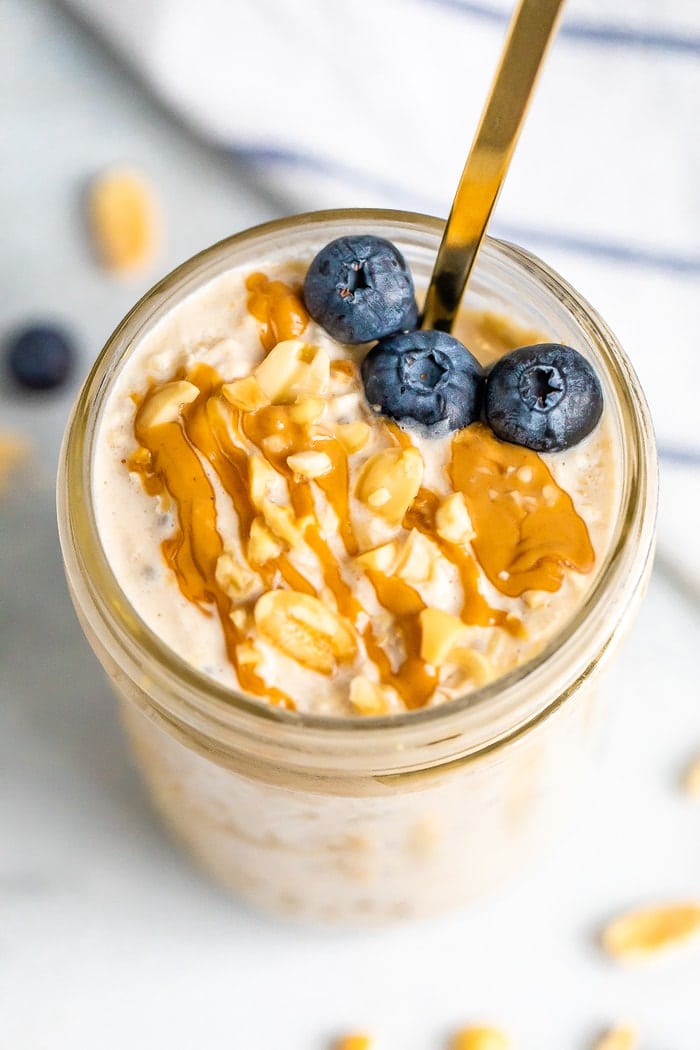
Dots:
pixel 680 457
pixel 603 34
pixel 634 255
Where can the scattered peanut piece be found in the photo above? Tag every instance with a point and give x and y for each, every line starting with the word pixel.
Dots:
pixel 353 1042
pixel 308 410
pixel 309 464
pixel 124 219
pixel 14 452
pixel 389 482
pixel 474 666
pixel 283 524
pixel 534 599
pixel 452 520
pixel 304 629
pixel 263 545
pixel 235 577
pixel 367 697
pixel 246 394
pixel 645 932
pixel 293 371
pixel 261 479
pixel 417 559
pixel 352 436
pixel 691 780
pixel 621 1037
pixel 480 1037
pixel 440 633
pixel 165 403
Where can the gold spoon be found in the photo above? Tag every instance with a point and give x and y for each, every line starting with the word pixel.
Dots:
pixel 531 29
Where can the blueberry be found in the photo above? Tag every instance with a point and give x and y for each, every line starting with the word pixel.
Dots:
pixel 545 397
pixel 360 288
pixel 40 357
pixel 426 380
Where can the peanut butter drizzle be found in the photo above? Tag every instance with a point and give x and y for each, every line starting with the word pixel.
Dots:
pixel 169 467
pixel 206 425
pixel 293 437
pixel 414 681
pixel 475 609
pixel 173 471
pixel 531 536
pixel 410 680
pixel 278 309
pixel 192 552
pixel 527 528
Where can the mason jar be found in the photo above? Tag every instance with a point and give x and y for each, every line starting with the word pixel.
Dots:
pixel 365 820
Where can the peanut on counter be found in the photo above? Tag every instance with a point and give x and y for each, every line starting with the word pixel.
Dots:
pixel 123 219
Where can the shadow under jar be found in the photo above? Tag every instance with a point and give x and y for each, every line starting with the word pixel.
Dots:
pixel 349 819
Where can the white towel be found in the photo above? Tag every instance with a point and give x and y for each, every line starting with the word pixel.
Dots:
pixel 334 103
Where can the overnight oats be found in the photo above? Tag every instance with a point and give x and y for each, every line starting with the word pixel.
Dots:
pixel 352 581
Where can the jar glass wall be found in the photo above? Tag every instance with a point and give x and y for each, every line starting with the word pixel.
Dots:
pixel 345 819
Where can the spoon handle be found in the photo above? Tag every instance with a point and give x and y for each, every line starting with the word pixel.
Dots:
pixel 531 29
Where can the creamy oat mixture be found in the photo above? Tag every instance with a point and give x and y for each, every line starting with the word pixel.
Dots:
pixel 286 541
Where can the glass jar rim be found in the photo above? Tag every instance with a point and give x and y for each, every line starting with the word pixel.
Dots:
pixel 218 709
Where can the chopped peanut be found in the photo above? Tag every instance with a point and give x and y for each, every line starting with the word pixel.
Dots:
pixel 352 436
pixel 353 1042
pixel 263 545
pixel 308 410
pixel 389 482
pixel 234 576
pixel 440 634
pixel 293 371
pixel 475 667
pixel 647 931
pixel 246 394
pixel 165 403
pixel 304 629
pixel 261 477
pixel 452 520
pixel 239 618
pixel 309 464
pixel 367 697
pixel 621 1037
pixel 14 451
pixel 480 1037
pixel 123 218
pixel 380 559
pixel 418 558
pixel 282 522
pixel 691 780
pixel 534 599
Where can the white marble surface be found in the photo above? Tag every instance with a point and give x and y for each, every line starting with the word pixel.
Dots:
pixel 107 936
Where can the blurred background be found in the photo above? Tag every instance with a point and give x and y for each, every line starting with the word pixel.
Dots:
pixel 237 113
